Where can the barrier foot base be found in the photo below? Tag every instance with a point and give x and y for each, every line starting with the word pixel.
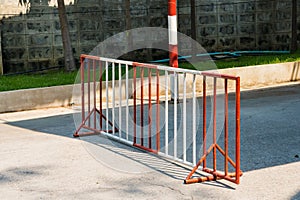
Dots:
pixel 200 179
pixel 94 131
pixel 215 176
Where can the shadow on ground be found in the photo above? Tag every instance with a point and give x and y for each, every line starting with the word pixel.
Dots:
pixel 269 132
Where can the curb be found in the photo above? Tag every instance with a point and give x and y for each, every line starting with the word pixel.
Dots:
pixel 62 96
pixel 29 99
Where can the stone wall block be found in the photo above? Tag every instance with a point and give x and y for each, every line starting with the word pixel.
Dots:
pixel 264 16
pixel 209 43
pixel 265 28
pixel 38 27
pixel 283 15
pixel 158 21
pixel 139 22
pixel 284 38
pixel 246 29
pixel 14 54
pixel 39 65
pixel 207 19
pixel 227 41
pixel 227 30
pixel 13 41
pixel 283 5
pixel 39 39
pixel 227 18
pixel 227 7
pixel 246 6
pixel 139 10
pixel 14 27
pixel 264 5
pixel 207 7
pixel 208 31
pixel 39 52
pixel 283 27
pixel 89 25
pixel 247 41
pixel 249 17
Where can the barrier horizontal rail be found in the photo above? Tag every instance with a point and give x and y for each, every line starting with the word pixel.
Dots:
pixel 147 118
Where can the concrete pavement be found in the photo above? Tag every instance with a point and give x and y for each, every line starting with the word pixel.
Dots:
pixel 41 160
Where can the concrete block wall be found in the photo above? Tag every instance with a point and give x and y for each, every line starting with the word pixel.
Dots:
pixel 32 41
pixel 243 25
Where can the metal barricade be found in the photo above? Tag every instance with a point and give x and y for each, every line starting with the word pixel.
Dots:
pixel 130 102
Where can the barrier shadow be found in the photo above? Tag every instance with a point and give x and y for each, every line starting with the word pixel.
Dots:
pixel 296 196
pixel 269 137
pixel 97 145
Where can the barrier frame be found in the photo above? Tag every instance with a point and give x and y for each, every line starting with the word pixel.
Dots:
pixel 214 173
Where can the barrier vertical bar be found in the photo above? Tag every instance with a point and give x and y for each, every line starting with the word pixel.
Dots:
pixel 194 119
pixel 157 113
pixel 100 93
pixel 204 120
pixel 94 89
pixel 89 91
pixel 237 159
pixel 82 88
pixel 175 115
pixel 184 117
pixel 149 110
pixel 113 98
pixel 226 127
pixel 127 100
pixel 215 125
pixel 166 113
pixel 142 105
pixel 106 90
pixel 134 104
pixel 120 99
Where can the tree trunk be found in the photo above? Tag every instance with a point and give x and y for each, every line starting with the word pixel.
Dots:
pixel 294 26
pixel 128 23
pixel 193 28
pixel 1 63
pixel 68 53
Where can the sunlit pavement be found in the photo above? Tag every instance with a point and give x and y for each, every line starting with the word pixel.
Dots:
pixel 41 160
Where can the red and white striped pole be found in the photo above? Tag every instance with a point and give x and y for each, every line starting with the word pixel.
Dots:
pixel 172 27
pixel 173 47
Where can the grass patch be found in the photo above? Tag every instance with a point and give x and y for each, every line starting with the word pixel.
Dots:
pixel 246 60
pixel 257 60
pixel 15 82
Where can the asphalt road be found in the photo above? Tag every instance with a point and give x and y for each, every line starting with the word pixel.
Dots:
pixel 41 160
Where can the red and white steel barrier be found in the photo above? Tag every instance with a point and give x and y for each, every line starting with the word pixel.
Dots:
pixel 108 107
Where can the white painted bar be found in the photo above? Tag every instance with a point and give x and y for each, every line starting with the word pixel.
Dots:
pixel 113 98
pixel 175 115
pixel 111 60
pixel 127 101
pixel 167 113
pixel 117 138
pixel 106 91
pixel 120 100
pixel 194 119
pixel 184 117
